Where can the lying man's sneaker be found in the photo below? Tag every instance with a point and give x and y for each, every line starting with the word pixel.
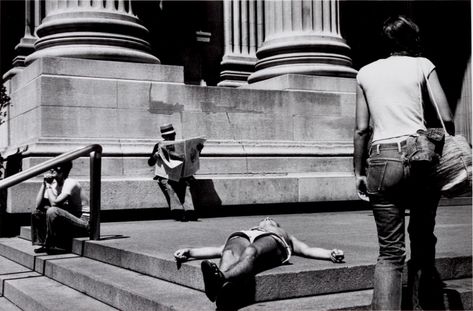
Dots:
pixel 41 249
pixel 213 279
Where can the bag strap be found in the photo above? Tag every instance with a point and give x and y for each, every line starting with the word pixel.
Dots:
pixel 432 98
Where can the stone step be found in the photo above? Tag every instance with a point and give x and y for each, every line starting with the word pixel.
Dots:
pixel 44 294
pixel 15 276
pixel 238 159
pixel 8 266
pixel 147 247
pixel 7 305
pixel 289 281
pixel 19 254
pixel 209 191
pixel 104 282
pixel 304 278
pixel 456 296
pixel 111 285
pixel 124 289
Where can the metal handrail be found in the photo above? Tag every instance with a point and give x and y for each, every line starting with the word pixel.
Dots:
pixel 95 152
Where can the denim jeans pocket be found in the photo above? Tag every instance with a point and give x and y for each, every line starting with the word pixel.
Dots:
pixel 383 175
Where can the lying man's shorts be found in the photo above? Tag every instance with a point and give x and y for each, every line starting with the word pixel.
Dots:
pixel 253 234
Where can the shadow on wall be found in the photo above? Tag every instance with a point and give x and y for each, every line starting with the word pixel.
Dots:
pixel 205 197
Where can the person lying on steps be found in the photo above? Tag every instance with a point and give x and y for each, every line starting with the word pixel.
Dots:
pixel 248 251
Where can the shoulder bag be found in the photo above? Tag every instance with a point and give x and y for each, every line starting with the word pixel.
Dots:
pixel 453 172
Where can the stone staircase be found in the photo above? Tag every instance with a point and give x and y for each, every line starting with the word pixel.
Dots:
pixel 132 267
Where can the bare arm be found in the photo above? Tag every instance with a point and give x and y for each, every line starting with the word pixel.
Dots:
pixel 56 200
pixel 360 139
pixel 152 158
pixel 184 254
pixel 439 96
pixel 66 192
pixel 302 249
pixel 47 183
pixel 39 196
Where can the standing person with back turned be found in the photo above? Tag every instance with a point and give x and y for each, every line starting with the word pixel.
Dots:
pixel 390 95
pixel 182 208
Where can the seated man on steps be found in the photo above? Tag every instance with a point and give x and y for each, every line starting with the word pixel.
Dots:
pixel 58 215
pixel 249 251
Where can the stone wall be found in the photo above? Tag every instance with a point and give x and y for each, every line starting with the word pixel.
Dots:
pixel 291 143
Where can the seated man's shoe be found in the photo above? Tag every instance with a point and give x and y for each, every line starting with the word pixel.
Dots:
pixel 191 215
pixel 41 249
pixel 213 279
pixel 55 251
pixel 177 214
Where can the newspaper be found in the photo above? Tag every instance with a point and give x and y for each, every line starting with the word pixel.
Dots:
pixel 187 165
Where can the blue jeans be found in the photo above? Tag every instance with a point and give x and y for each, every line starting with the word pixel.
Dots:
pixel 394 186
pixel 56 227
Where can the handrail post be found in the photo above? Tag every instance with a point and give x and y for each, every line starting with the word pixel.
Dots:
pixel 95 181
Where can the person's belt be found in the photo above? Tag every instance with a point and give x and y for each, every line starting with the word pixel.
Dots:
pixel 381 146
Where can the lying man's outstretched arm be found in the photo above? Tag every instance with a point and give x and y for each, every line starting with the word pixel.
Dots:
pixel 184 254
pixel 302 249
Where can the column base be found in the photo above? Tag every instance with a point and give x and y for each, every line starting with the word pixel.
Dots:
pixel 301 53
pixel 328 70
pixel 92 34
pixel 236 70
pixel 98 52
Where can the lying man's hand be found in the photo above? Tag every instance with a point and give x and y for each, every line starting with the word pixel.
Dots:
pixel 182 254
pixel 337 256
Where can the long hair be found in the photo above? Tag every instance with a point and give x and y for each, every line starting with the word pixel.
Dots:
pixel 402 36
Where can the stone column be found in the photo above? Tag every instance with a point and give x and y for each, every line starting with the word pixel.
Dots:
pixel 92 29
pixel 302 37
pixel 243 34
pixel 26 45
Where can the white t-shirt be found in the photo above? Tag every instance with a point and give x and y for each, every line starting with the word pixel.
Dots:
pixel 392 88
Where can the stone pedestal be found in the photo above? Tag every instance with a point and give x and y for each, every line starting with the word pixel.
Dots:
pixel 264 146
